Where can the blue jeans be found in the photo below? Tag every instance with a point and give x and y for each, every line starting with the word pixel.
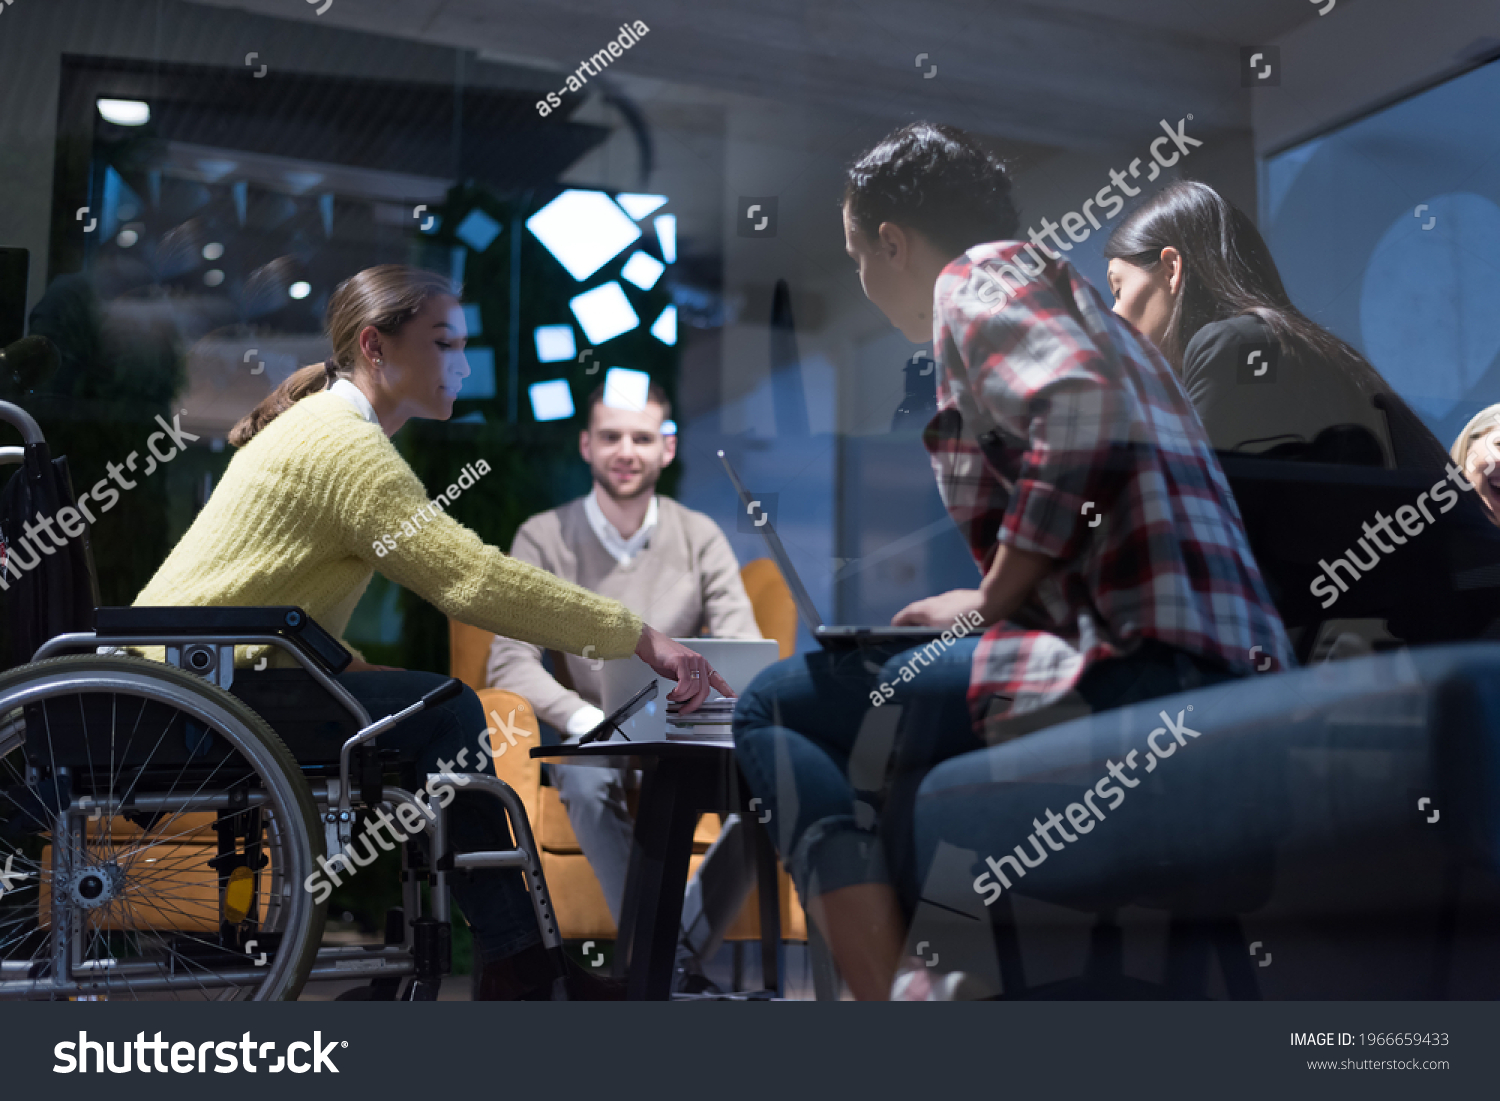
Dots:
pixel 821 758
pixel 494 900
pixel 839 774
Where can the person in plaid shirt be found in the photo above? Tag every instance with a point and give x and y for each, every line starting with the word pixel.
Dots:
pixel 1114 564
pixel 1063 434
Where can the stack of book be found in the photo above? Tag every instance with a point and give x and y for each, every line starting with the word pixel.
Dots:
pixel 709 722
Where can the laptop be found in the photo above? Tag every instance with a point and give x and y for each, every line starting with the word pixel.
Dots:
pixel 737 660
pixel 829 637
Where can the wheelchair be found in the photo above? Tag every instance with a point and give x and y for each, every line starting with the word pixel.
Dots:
pixel 162 823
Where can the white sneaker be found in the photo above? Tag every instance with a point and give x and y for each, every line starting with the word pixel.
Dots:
pixel 915 982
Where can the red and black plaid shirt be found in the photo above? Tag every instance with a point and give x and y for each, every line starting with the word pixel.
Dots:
pixel 1061 430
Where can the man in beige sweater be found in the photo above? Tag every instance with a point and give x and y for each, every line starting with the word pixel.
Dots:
pixel 674 568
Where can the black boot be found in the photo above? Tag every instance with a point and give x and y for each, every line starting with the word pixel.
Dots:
pixel 585 986
pixel 531 976
pixel 526 976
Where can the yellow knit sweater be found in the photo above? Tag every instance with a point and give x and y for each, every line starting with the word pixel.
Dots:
pixel 297 518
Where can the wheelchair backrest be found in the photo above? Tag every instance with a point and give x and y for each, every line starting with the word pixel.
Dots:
pixel 47 582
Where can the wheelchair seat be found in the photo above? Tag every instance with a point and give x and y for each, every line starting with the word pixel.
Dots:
pixel 313 725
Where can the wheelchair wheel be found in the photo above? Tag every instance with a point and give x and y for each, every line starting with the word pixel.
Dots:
pixel 155 836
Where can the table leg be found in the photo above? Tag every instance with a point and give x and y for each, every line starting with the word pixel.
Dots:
pixel 768 885
pixel 664 825
pixel 625 934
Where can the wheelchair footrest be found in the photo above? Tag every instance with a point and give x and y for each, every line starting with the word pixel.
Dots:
pixel 509 858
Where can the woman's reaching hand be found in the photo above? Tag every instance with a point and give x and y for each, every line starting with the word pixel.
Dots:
pixel 691 671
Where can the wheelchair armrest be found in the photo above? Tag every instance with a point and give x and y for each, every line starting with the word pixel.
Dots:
pixel 291 623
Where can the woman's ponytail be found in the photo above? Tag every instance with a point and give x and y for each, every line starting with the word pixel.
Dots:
pixel 308 380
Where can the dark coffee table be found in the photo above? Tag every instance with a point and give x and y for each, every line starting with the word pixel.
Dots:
pixel 681 780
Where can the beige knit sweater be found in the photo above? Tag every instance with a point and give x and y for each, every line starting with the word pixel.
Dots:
pixel 686 582
pixel 301 515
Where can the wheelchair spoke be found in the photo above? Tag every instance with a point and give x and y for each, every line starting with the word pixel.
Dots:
pixel 44 826
pixel 176 815
pixel 125 975
pixel 129 742
pixel 141 770
pixel 51 750
pixel 114 710
pixel 88 750
pixel 25 930
pixel 153 840
pixel 142 895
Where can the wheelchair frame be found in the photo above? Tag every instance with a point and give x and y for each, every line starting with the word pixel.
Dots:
pixel 202 641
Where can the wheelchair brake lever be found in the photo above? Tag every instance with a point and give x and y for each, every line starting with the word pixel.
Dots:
pixel 442 693
pixel 439 695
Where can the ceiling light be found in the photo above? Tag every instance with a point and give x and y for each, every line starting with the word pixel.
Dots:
pixel 300 289
pixel 551 401
pixel 584 230
pixel 664 328
pixel 213 277
pixel 125 112
pixel 478 230
pixel 638 206
pixel 626 389
pixel 127 238
pixel 666 234
pixel 554 343
pixel 604 312
pixel 643 270
pixel 213 250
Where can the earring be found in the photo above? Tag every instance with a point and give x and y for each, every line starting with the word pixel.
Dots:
pixel 379 362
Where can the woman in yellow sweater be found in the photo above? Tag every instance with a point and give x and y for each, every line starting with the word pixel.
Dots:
pixel 301 517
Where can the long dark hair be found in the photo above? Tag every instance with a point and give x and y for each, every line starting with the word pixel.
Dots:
pixel 387 296
pixel 1227 272
pixel 934 178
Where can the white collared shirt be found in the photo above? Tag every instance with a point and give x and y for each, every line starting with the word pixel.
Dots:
pixel 356 397
pixel 622 549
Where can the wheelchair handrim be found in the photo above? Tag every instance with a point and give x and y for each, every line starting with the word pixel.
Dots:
pixel 284 791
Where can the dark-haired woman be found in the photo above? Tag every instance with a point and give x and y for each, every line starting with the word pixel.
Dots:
pixel 1114 567
pixel 317 498
pixel 1194 275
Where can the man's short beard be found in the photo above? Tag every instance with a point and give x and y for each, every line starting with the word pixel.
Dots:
pixel 648 486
